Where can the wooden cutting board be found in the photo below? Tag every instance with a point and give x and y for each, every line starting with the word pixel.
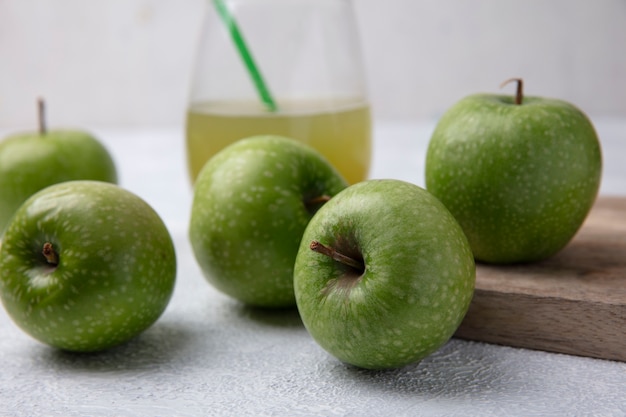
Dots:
pixel 574 302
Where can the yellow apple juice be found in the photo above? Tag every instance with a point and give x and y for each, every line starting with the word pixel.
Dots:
pixel 342 133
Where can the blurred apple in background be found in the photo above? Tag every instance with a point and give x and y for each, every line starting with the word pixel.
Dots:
pixel 520 174
pixel 251 204
pixel 31 161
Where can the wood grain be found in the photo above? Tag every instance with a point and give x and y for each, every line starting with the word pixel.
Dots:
pixel 574 302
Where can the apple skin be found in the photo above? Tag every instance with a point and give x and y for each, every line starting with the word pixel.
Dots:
pixel 30 162
pixel 520 179
pixel 249 213
pixel 115 273
pixel 416 286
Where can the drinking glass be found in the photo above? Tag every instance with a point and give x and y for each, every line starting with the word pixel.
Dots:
pixel 281 67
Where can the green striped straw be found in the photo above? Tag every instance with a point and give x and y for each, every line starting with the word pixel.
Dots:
pixel 246 56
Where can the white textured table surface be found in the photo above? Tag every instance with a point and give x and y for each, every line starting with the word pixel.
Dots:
pixel 209 355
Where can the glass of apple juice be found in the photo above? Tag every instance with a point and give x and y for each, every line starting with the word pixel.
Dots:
pixel 280 67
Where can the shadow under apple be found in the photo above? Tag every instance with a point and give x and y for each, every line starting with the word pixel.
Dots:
pixel 451 372
pixel 281 317
pixel 160 344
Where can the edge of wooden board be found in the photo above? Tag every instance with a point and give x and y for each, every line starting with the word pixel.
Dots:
pixel 574 302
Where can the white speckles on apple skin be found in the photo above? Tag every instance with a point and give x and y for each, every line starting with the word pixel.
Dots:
pixel 108 285
pixel 418 281
pixel 248 216
pixel 519 179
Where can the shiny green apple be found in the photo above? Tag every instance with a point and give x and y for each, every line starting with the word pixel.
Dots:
pixel 384 275
pixel 520 174
pixel 251 204
pixel 86 265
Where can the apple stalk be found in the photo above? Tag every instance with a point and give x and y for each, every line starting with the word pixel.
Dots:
pixel 313 204
pixel 50 254
pixel 337 256
pixel 41 115
pixel 519 93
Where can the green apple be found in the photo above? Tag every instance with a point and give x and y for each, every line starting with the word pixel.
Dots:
pixel 32 161
pixel 384 275
pixel 251 204
pixel 86 265
pixel 519 174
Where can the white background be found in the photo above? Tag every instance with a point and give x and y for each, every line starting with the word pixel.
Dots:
pixel 128 62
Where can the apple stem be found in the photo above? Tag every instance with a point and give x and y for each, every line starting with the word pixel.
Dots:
pixel 318 200
pixel 519 94
pixel 41 107
pixel 337 256
pixel 50 254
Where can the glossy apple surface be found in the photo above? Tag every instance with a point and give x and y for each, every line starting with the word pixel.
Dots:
pixel 251 204
pixel 412 289
pixel 30 162
pixel 519 178
pixel 85 266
